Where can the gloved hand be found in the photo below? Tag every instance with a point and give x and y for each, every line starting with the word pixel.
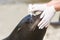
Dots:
pixel 48 13
pixel 36 7
pixel 47 16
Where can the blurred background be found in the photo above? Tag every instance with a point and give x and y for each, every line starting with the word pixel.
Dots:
pixel 12 11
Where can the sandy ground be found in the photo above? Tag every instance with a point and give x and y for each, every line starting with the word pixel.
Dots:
pixel 10 16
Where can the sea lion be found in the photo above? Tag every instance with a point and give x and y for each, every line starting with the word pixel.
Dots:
pixel 27 29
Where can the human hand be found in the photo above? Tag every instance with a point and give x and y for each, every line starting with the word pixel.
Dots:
pixel 48 13
pixel 47 16
pixel 36 7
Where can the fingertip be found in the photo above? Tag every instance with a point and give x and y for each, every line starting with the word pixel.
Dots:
pixel 38 25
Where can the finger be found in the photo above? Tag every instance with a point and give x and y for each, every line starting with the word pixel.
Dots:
pixel 43 25
pixel 29 8
pixel 35 9
pixel 46 25
pixel 44 18
pixel 40 6
pixel 42 21
pixel 42 15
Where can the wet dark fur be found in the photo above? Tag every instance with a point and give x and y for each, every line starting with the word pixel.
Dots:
pixel 25 30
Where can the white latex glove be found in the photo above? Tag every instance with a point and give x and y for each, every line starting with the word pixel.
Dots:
pixel 36 7
pixel 46 15
pixel 29 9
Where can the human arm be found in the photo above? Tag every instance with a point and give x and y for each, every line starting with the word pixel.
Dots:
pixel 55 3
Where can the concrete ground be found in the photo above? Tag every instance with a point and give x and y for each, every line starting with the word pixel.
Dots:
pixel 10 16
